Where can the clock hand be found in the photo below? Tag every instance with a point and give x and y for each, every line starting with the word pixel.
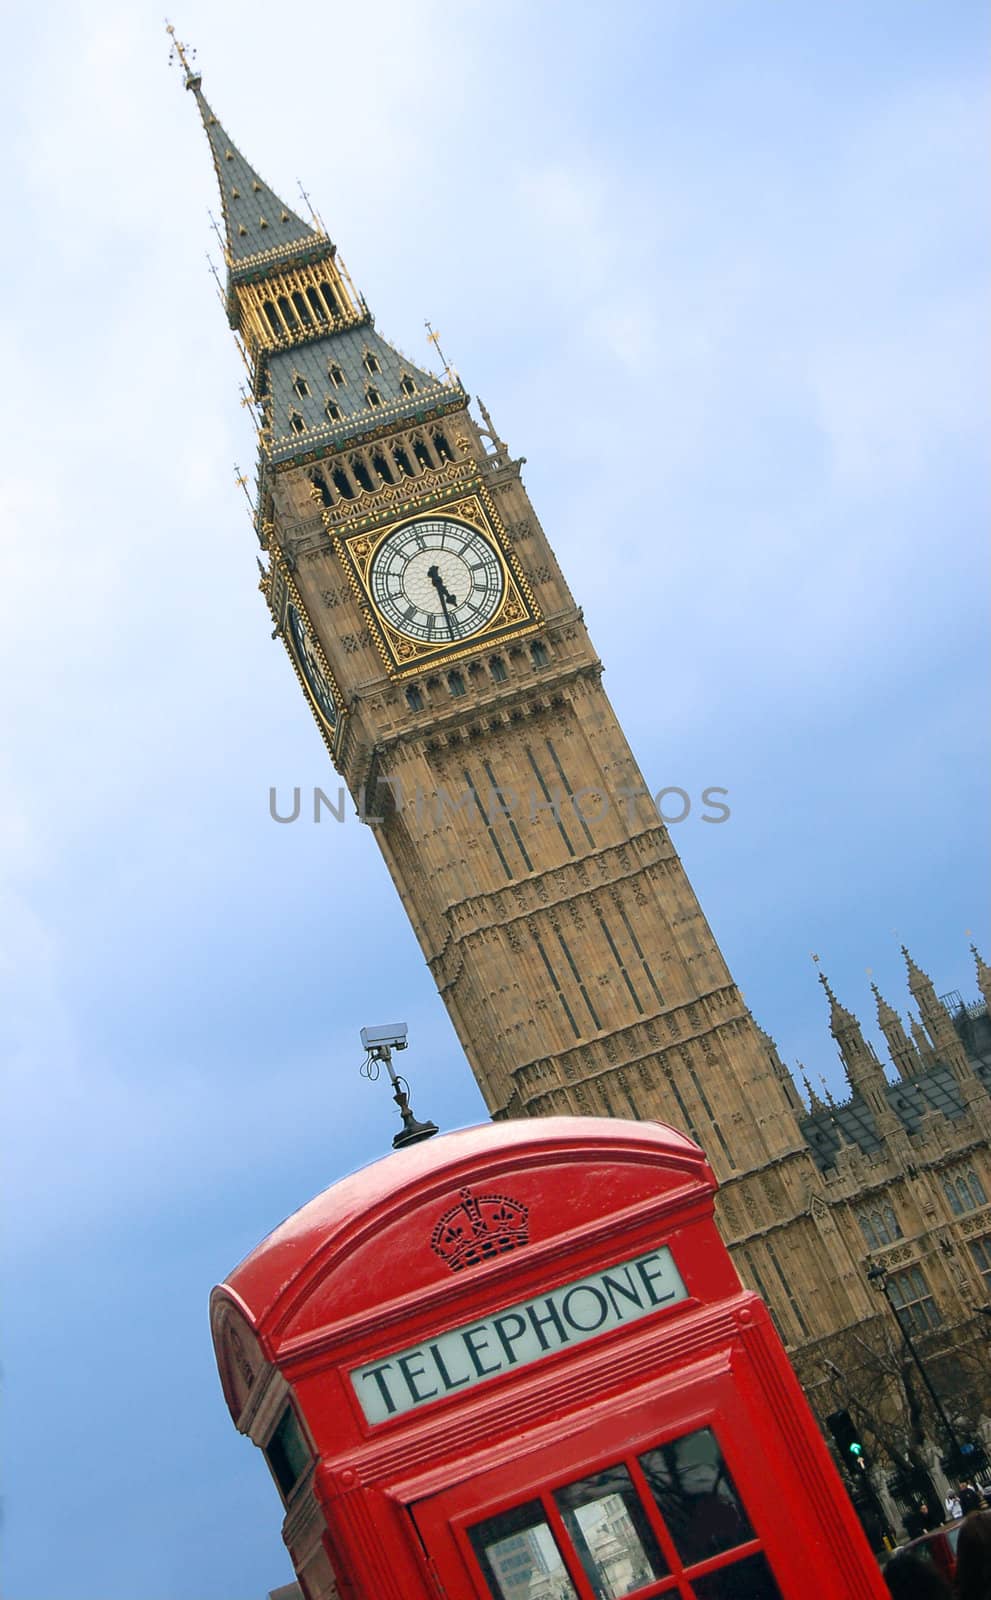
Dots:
pixel 444 595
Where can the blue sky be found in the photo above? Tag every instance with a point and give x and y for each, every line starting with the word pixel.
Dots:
pixel 719 271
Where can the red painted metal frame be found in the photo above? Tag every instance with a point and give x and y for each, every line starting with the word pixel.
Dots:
pixel 353 1278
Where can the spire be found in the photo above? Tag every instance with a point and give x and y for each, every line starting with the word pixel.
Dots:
pixel 841 1020
pixel 257 224
pixel 917 979
pixel 983 976
pixel 903 1052
pixel 815 1104
pixel 864 1072
pixel 946 1042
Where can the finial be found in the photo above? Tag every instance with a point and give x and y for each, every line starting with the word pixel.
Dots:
pixel 815 958
pixel 185 55
pixel 434 338
pixel 825 983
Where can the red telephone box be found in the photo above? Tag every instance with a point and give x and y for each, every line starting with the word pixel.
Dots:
pixel 516 1363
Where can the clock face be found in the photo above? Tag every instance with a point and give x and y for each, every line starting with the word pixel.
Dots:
pixel 436 581
pixel 308 661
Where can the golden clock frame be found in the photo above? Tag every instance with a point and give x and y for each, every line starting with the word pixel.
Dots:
pixel 280 591
pixel 518 611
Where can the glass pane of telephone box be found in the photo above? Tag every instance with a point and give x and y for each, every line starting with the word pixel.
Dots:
pixel 519 1556
pixel 696 1496
pixel 741 1580
pixel 611 1533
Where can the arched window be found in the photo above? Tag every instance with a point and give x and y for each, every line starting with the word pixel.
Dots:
pixel 362 474
pixel 456 683
pixel 343 483
pixel 382 467
pixel 370 362
pixel 296 422
pixel 302 309
pixel 422 454
pixel 288 314
pixel 406 384
pixel 300 385
pixel 333 304
pixel 414 699
pixel 316 305
pixel 868 1232
pixel 332 411
pixel 951 1195
pixel 273 317
pixel 336 375
pixel 402 461
pixel 441 445
pixel 497 667
pixel 372 396
pixel 539 653
pixel 319 483
pixel 892 1224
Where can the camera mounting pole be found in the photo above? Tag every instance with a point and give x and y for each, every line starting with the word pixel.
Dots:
pixel 380 1043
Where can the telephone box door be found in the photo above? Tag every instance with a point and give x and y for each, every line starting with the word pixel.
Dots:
pixel 643 1503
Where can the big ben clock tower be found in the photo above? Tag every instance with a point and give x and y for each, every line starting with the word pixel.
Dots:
pixel 455 686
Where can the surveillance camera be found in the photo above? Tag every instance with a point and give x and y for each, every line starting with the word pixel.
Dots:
pixel 388 1036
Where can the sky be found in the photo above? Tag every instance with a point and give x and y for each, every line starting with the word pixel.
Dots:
pixel 719 271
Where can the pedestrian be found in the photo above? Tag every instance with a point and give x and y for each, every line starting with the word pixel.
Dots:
pixel 953 1507
pixel 974 1557
pixel 912 1577
pixel 970 1499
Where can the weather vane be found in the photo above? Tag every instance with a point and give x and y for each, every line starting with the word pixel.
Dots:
pixel 184 52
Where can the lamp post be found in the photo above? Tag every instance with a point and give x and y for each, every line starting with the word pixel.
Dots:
pixel 879 1278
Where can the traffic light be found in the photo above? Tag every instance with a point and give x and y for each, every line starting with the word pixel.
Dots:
pixel 848 1442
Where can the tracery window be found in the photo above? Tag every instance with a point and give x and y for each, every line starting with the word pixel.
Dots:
pixel 964 1192
pixel 879 1227
pixel 913 1302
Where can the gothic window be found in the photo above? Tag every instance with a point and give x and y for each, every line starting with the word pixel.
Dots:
pixel 302 309
pixel 362 474
pixel 382 467
pixel 420 451
pixel 891 1224
pixel 880 1227
pixel 965 1192
pixel 980 1249
pixel 288 314
pixel 414 699
pixel 273 317
pixel 301 386
pixel 370 362
pixel 343 483
pixel 914 1305
pixel 316 305
pixel 333 411
pixel 406 384
pixel 539 653
pixel 333 304
pixel 296 422
pixel 441 445
pixel 497 667
pixel 319 483
pixel 402 461
pixel 372 396
pixel 456 683
pixel 868 1232
pixel 335 375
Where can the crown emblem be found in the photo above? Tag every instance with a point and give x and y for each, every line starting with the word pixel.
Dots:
pixel 479 1228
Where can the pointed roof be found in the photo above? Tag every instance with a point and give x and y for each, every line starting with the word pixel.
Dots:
pixel 917 979
pixel 840 1019
pixel 887 1016
pixel 256 221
